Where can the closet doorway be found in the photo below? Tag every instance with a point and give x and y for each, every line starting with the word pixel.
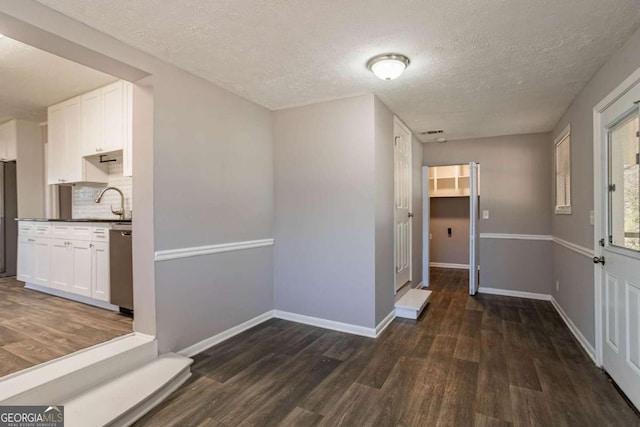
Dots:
pixel 451 199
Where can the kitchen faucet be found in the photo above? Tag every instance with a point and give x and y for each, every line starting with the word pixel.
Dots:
pixel 120 211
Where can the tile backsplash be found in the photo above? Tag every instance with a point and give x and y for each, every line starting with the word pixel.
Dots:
pixel 84 205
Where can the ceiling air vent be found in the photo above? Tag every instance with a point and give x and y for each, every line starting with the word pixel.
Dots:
pixel 432 132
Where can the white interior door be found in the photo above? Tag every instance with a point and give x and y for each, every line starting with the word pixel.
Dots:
pixel 620 251
pixel 426 221
pixel 402 193
pixel 474 238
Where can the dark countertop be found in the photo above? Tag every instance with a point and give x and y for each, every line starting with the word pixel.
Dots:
pixel 127 221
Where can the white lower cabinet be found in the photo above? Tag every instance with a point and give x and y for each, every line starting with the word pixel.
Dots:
pixel 70 261
pixel 26 260
pixel 100 265
pixel 61 271
pixel 34 260
pixel 82 268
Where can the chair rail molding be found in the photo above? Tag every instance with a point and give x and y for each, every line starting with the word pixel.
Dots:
pixel 170 254
pixel 589 253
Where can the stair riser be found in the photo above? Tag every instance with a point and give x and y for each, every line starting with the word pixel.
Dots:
pixel 59 389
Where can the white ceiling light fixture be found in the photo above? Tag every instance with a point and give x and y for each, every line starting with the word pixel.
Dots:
pixel 388 66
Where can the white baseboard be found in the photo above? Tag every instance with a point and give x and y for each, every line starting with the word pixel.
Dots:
pixel 449 265
pixel 73 297
pixel 385 322
pixel 574 329
pixel 207 343
pixel 517 294
pixel 327 324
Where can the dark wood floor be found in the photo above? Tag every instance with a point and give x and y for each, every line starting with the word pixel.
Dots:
pixel 469 361
pixel 36 327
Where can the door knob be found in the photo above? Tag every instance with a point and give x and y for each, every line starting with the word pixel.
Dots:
pixel 598 260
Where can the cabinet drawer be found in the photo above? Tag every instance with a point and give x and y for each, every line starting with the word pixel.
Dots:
pixel 34 228
pixel 100 234
pixel 71 231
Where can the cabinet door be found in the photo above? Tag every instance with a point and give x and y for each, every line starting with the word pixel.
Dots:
pixel 56 152
pixel 61 268
pixel 100 264
pixel 25 259
pixel 72 162
pixel 113 118
pixel 81 259
pixel 91 122
pixel 42 261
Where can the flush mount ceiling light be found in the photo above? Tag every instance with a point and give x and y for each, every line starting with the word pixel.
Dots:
pixel 389 66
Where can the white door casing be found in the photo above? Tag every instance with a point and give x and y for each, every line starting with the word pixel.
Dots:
pixel 474 237
pixel 618 278
pixel 426 222
pixel 402 203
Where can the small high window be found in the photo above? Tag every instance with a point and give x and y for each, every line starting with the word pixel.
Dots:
pixel 563 172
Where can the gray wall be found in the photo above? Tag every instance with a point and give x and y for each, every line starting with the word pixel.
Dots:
pixel 384 230
pixel 449 212
pixel 515 186
pixel 325 199
pixel 572 270
pixel 212 180
pixel 30 170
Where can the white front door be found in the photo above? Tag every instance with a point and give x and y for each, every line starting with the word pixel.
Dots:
pixel 474 236
pixel 402 201
pixel 620 262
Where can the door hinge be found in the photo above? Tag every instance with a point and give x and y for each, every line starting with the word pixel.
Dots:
pixel 598 260
pixel 601 242
pixel 611 240
pixel 612 187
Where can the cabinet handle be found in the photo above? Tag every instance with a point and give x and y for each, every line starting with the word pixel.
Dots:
pixel 90 245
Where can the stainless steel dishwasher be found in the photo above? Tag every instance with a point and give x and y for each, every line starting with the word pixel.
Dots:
pixel 121 267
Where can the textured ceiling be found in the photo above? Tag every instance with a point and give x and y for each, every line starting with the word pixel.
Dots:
pixel 478 67
pixel 31 80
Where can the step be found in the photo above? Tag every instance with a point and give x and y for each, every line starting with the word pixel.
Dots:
pixel 123 400
pixel 54 381
pixel 412 303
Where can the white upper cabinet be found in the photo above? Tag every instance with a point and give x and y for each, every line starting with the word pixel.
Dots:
pixel 8 140
pixel 106 121
pixel 91 122
pixel 66 132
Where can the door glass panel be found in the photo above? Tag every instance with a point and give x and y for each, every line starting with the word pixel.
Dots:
pixel 624 182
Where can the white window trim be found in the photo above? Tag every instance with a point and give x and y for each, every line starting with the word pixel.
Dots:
pixel 561 210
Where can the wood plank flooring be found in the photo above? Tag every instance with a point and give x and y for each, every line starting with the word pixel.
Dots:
pixel 36 327
pixel 469 361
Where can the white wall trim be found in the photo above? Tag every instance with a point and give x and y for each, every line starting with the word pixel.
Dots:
pixel 575 248
pixel 510 293
pixel 385 322
pixel 74 297
pixel 207 343
pixel 326 324
pixel 515 236
pixel 169 254
pixel 449 265
pixel 574 330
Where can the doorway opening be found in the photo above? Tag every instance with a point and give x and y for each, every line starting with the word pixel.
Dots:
pixel 451 199
pixel 59 289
